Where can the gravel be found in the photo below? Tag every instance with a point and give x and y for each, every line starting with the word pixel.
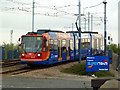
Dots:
pixel 54 72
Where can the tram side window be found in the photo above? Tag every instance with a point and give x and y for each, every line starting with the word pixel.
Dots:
pixel 71 44
pixel 77 44
pixel 51 43
pixel 55 45
pixel 82 43
pixel 68 47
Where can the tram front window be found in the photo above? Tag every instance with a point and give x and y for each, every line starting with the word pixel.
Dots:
pixel 31 44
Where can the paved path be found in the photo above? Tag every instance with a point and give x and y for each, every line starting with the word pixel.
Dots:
pixel 24 82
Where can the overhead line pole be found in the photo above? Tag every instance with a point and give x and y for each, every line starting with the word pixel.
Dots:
pixel 74 43
pixel 91 34
pixel 85 23
pixel 105 33
pixel 33 16
pixel 79 31
pixel 11 34
pixel 91 22
pixel 88 21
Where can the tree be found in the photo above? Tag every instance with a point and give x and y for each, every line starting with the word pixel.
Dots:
pixel 114 48
pixel 9 47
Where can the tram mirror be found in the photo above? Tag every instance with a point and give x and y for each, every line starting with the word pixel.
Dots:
pixel 19 44
pixel 108 37
pixel 19 39
pixel 45 40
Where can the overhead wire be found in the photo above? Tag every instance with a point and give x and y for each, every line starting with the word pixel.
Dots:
pixel 91 7
pixel 54 8
pixel 16 2
pixel 48 7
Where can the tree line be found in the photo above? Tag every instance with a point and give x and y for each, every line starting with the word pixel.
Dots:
pixel 114 47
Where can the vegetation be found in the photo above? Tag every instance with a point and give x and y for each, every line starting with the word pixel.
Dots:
pixel 9 47
pixel 114 48
pixel 80 69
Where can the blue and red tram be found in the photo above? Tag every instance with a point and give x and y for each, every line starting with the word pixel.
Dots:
pixel 47 47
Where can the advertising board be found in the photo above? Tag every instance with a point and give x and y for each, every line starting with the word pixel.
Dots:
pixel 97 63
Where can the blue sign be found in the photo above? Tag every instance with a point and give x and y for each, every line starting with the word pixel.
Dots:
pixel 97 63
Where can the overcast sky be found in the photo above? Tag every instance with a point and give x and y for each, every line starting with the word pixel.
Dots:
pixel 16 15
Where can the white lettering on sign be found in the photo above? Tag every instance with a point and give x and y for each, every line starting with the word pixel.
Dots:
pixel 105 69
pixel 89 60
pixel 90 57
pixel 103 63
pixel 97 63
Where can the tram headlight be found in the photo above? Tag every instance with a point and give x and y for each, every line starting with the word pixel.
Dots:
pixel 89 50
pixel 39 55
pixel 23 54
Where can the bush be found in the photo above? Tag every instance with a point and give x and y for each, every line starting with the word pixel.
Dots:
pixel 76 69
pixel 114 48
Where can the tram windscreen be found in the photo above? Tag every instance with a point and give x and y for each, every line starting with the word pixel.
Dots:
pixel 31 44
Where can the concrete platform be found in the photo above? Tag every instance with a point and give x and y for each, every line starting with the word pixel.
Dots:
pixel 106 82
pixel 111 84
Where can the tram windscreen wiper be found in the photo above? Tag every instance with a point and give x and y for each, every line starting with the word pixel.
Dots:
pixel 37 50
pixel 23 48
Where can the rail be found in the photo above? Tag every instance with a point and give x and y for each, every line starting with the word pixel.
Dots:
pixel 7 63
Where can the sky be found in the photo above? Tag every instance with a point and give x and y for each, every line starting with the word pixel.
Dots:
pixel 16 15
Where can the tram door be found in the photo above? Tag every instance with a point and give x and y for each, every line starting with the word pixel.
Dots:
pixel 54 49
pixel 68 49
pixel 64 50
pixel 59 50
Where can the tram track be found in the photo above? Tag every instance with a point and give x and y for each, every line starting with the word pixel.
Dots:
pixel 18 69
pixel 8 63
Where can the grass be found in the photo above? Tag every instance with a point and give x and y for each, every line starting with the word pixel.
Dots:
pixel 80 69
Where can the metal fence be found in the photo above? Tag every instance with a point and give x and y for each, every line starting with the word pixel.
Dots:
pixel 8 54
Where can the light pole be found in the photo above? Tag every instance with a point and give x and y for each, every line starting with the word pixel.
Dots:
pixel 105 33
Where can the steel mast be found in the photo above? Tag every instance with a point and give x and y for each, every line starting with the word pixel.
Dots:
pixel 105 33
pixel 33 16
pixel 79 10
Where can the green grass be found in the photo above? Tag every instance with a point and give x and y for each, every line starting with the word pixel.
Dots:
pixel 80 69
pixel 104 74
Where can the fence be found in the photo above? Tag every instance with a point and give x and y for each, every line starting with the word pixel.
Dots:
pixel 8 54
